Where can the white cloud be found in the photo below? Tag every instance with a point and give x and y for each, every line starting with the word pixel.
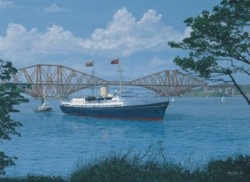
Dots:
pixel 53 8
pixel 6 4
pixel 122 37
pixel 125 36
pixel 31 45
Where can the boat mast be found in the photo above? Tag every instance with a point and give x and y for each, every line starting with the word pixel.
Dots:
pixel 117 61
pixel 94 80
pixel 44 96
pixel 91 64
pixel 120 72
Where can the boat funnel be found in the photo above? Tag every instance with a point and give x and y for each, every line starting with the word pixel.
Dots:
pixel 104 91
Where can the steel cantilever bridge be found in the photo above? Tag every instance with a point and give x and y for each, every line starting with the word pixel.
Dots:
pixel 58 80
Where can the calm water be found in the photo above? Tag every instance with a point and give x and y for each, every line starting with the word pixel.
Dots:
pixel 197 128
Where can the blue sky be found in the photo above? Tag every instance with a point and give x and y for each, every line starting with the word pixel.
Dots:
pixel 73 32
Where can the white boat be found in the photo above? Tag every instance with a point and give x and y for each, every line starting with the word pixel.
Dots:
pixel 223 99
pixel 44 106
pixel 114 107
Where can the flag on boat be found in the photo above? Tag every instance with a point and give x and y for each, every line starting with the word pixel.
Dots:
pixel 115 61
pixel 90 64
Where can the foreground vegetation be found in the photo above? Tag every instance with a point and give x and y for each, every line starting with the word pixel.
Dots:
pixel 218 45
pixel 150 167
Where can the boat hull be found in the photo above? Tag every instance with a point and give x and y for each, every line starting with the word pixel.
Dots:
pixel 153 111
pixel 43 109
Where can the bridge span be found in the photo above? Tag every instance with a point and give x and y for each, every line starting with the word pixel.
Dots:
pixel 58 80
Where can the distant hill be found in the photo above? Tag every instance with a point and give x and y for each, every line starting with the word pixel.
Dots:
pixel 218 91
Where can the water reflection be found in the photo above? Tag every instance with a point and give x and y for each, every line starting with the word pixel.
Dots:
pixel 108 129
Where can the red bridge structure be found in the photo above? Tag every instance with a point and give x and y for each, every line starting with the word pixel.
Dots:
pixel 58 80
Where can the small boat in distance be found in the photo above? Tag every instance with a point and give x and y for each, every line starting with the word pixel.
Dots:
pixel 44 106
pixel 223 99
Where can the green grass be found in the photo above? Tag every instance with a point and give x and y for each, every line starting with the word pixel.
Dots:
pixel 150 167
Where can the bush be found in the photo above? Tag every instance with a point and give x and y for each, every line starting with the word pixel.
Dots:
pixel 136 168
pixel 130 167
pixel 231 169
pixel 150 167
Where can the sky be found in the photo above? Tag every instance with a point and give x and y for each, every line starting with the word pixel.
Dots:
pixel 74 32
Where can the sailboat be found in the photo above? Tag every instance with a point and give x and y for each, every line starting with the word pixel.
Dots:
pixel 172 100
pixel 44 105
pixel 223 99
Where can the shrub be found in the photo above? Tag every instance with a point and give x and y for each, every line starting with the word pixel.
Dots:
pixel 231 169
pixel 132 167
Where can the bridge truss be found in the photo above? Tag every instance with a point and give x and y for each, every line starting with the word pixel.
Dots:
pixel 168 83
pixel 54 80
pixel 58 80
